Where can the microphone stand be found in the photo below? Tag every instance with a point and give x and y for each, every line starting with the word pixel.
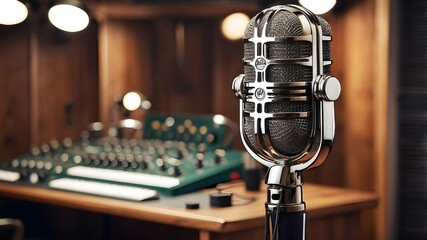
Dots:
pixel 285 213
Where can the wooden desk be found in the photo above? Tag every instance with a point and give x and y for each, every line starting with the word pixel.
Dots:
pixel 332 213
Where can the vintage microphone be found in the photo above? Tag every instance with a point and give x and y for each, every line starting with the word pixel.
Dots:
pixel 286 107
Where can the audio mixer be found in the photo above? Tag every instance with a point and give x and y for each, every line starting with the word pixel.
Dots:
pixel 175 155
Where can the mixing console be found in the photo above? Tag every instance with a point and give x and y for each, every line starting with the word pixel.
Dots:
pixel 177 154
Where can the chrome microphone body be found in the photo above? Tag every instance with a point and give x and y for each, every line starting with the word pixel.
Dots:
pixel 286 104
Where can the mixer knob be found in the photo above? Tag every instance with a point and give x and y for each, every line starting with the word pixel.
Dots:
pixel 139 161
pixel 120 157
pixel 180 154
pixel 161 151
pixel 42 175
pixel 48 166
pixel 133 142
pixel 34 178
pixel 24 163
pixel 31 163
pixel 134 165
pixel 23 174
pixel 143 164
pixel 77 159
pixel 161 164
pixel 217 159
pixel 219 155
pixel 58 169
pixel 199 163
pixel 210 138
pixel 110 157
pixel 124 142
pixel 67 142
pixel 96 162
pixel 39 176
pixel 64 157
pixel 118 148
pixel 54 144
pixel 45 149
pixel 127 148
pixel 105 162
pixel 125 164
pixel 88 160
pixel 39 164
pixel 199 160
pixel 199 138
pixel 35 151
pixel 176 171
pixel 107 147
pixel 136 150
pixel 129 157
pixel 14 163
pixel 114 163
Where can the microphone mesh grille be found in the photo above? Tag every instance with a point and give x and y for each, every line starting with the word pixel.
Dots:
pixel 288 136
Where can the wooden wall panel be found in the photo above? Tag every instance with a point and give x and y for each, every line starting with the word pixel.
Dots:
pixel 165 66
pixel 126 63
pixel 172 68
pixel 359 95
pixel 64 84
pixel 14 91
pixel 193 90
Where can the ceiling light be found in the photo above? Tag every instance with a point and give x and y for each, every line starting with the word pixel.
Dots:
pixel 318 6
pixel 12 12
pixel 233 26
pixel 69 16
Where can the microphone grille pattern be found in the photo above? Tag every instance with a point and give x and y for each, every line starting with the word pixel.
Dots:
pixel 288 136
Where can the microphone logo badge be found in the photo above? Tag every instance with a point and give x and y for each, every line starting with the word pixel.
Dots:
pixel 260 63
pixel 260 93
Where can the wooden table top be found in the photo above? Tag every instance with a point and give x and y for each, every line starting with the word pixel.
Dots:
pixel 321 201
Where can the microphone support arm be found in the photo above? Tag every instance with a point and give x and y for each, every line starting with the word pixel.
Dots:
pixel 285 210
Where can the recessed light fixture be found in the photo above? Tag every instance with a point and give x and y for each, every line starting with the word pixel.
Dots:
pixel 12 12
pixel 318 6
pixel 69 15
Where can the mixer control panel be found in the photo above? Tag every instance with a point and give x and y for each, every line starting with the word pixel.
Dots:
pixel 176 155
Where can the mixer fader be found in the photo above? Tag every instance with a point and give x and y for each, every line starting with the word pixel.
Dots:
pixel 175 155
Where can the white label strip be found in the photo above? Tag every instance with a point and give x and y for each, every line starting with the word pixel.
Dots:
pixel 103 189
pixel 9 176
pixel 124 176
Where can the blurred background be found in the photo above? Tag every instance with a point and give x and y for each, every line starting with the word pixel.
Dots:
pixel 54 83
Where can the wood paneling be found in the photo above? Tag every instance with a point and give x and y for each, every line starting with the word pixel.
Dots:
pixel 169 60
pixel 14 91
pixel 126 53
pixel 64 84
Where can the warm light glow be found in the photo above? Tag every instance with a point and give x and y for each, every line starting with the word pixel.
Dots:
pixel 68 18
pixel 318 6
pixel 132 101
pixel 12 12
pixel 219 119
pixel 233 26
